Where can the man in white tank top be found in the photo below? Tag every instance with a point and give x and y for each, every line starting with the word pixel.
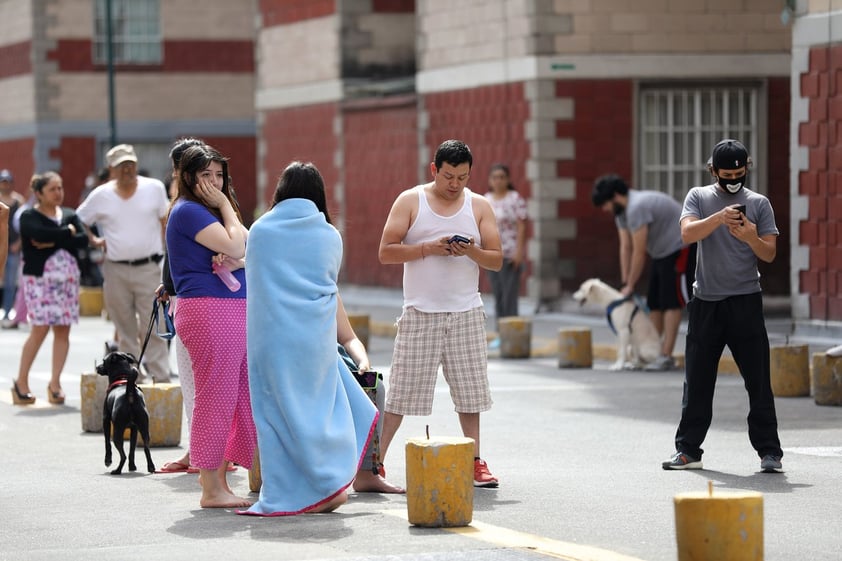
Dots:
pixel 443 320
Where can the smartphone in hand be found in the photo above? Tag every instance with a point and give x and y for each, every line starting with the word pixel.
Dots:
pixel 458 238
pixel 742 210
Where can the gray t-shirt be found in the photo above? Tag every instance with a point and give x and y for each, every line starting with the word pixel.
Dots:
pixel 726 266
pixel 660 213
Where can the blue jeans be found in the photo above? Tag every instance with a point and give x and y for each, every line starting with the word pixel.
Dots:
pixel 10 282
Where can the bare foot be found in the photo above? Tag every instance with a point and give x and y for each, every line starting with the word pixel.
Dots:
pixel 223 500
pixel 367 482
pixel 331 505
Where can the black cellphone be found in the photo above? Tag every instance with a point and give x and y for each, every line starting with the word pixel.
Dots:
pixel 458 238
pixel 741 208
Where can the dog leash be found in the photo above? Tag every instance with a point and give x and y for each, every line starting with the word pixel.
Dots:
pixel 153 322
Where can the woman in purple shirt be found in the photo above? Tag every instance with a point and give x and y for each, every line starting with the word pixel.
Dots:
pixel 205 229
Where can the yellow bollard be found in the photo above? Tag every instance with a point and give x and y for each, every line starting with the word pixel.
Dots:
pixel 827 379
pixel 440 481
pixel 90 301
pixel 92 388
pixel 361 324
pixel 719 526
pixel 515 337
pixel 790 370
pixel 574 348
pixel 165 406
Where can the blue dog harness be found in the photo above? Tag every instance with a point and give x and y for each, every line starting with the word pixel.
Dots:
pixel 638 304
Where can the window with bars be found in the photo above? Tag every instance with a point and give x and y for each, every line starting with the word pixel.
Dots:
pixel 679 126
pixel 136 31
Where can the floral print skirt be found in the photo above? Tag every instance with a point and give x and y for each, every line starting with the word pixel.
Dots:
pixel 53 298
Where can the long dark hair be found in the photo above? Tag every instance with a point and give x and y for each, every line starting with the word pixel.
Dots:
pixel 302 180
pixel 194 160
pixel 40 180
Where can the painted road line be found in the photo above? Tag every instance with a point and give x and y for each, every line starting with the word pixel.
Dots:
pixel 505 537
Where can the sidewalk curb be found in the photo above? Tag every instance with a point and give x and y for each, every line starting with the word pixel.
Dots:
pixel 544 347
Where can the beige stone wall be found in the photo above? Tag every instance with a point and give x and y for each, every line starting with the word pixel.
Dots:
pixel 671 26
pixel 823 6
pixel 17 98
pixel 390 39
pixel 451 33
pixel 16 16
pixel 153 96
pixel 208 19
pixel 300 53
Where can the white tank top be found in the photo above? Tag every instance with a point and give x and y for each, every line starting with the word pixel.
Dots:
pixel 441 283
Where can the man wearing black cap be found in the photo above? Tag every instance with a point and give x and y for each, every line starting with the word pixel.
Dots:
pixel 734 227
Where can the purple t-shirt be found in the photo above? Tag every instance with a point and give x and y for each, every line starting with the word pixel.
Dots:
pixel 190 261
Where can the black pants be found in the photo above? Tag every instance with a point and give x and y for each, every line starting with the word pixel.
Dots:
pixel 737 322
pixel 505 284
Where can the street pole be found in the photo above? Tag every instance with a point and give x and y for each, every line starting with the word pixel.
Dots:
pixel 109 54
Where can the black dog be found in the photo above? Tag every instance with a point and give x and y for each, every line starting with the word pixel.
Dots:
pixel 125 407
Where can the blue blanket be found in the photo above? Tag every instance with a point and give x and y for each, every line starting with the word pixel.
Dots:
pixel 313 419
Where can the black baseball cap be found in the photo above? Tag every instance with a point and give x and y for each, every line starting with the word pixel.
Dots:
pixel 729 154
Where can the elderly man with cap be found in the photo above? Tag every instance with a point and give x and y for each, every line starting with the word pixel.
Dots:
pixel 13 201
pixel 129 211
pixel 734 227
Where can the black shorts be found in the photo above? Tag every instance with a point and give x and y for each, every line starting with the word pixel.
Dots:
pixel 671 280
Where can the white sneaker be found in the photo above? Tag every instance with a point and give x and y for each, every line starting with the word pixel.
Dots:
pixel 661 364
pixel 834 351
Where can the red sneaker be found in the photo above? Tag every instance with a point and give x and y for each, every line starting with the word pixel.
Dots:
pixel 483 477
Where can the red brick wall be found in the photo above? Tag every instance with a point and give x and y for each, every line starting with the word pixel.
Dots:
pixel 491 120
pixel 280 12
pixel 15 59
pixel 77 157
pixel 602 131
pixel 393 6
pixel 775 276
pixel 821 183
pixel 242 159
pixel 301 133
pixel 17 156
pixel 381 160
pixel 75 55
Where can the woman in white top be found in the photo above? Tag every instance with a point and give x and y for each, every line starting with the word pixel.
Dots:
pixel 510 211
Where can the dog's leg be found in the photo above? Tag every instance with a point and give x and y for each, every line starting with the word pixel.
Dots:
pixel 132 446
pixel 622 347
pixel 106 430
pixel 118 444
pixel 143 421
pixel 622 350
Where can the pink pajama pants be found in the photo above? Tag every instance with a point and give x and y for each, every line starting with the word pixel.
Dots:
pixel 214 332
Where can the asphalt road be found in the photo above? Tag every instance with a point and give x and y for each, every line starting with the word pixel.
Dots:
pixel 577 451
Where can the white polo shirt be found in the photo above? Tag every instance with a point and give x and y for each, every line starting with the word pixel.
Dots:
pixel 131 227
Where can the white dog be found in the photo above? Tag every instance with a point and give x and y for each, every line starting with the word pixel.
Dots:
pixel 639 342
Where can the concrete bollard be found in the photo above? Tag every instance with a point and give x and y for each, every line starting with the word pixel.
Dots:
pixel 790 370
pixel 827 379
pixel 515 337
pixel 440 481
pixel 361 324
pixel 90 301
pixel 719 526
pixel 574 348
pixel 163 401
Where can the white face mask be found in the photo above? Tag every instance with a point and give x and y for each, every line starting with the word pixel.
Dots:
pixel 734 185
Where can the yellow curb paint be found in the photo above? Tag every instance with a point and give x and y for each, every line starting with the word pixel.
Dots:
pixel 505 537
